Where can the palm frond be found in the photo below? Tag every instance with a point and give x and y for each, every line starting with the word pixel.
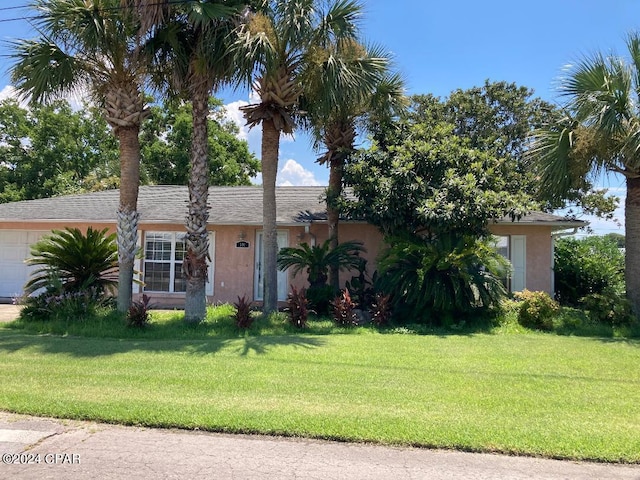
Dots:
pixel 77 259
pixel 44 71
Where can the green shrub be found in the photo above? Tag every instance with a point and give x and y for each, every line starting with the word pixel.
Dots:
pixel 536 310
pixel 317 259
pixel 594 265
pixel 57 304
pixel 79 261
pixel 75 272
pixel 320 298
pixel 609 307
pixel 446 275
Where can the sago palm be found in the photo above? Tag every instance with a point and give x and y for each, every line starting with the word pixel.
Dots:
pixel 600 132
pixel 75 259
pixel 317 259
pixel 88 46
pixel 446 275
pixel 275 48
pixel 189 49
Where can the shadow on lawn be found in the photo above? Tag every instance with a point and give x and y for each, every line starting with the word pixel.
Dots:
pixel 97 347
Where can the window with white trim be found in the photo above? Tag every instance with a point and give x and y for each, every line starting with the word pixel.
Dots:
pixel 502 247
pixel 164 253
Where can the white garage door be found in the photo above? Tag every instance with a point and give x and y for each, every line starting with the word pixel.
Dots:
pixel 14 250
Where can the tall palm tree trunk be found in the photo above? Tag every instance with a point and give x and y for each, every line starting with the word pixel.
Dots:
pixel 632 246
pixel 127 215
pixel 269 161
pixel 334 191
pixel 197 240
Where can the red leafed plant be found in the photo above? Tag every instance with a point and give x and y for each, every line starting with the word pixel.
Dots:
pixel 343 310
pixel 298 307
pixel 243 316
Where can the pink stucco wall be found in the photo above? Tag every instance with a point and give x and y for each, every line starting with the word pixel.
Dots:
pixel 234 267
pixel 539 271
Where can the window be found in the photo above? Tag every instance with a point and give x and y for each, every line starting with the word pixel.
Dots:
pixel 163 256
pixel 502 247
pixel 513 248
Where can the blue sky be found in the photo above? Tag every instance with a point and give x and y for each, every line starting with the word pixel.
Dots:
pixel 442 46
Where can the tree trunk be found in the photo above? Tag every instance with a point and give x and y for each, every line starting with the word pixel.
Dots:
pixel 127 215
pixel 632 244
pixel 195 266
pixel 269 161
pixel 333 214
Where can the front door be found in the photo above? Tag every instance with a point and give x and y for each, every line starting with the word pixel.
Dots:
pixel 283 241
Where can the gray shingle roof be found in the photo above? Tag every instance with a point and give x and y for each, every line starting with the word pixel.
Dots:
pixel 168 204
pixel 229 206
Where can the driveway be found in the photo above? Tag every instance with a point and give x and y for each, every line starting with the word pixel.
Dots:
pixel 8 312
pixel 38 448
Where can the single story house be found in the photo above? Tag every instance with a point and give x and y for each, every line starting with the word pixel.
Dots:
pixel 236 238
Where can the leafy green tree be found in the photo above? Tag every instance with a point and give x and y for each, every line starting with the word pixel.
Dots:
pixel 78 260
pixel 429 179
pixel 599 132
pixel 441 275
pixel 276 50
pixel 317 259
pixel 49 150
pixel 587 266
pixel 167 162
pixel 616 237
pixel 89 44
pixel 499 118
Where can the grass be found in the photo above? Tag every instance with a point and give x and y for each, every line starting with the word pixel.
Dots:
pixel 519 393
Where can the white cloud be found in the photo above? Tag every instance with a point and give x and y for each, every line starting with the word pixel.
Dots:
pixel 9 91
pixel 233 113
pixel 75 99
pixel 292 173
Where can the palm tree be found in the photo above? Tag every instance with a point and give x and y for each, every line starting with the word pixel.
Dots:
pixel 190 55
pixel 88 44
pixel 276 48
pixel 335 110
pixel 318 259
pixel 600 132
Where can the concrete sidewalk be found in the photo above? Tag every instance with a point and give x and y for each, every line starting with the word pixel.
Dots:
pixel 39 448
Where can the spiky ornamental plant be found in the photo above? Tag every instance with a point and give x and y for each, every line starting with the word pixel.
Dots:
pixel 445 275
pixel 317 259
pixel 275 50
pixel 76 259
pixel 89 45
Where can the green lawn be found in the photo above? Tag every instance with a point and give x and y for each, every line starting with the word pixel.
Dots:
pixel 523 393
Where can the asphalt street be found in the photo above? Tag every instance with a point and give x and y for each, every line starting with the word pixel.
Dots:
pixel 42 448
